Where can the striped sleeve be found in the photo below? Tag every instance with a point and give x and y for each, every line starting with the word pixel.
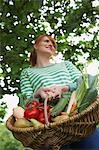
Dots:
pixel 74 74
pixel 25 85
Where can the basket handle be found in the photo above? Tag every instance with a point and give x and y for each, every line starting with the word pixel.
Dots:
pixel 45 111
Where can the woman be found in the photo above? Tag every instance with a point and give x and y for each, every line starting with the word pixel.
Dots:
pixel 44 79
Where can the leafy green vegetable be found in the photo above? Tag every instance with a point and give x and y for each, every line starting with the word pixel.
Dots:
pixel 86 92
pixel 89 97
pixel 23 99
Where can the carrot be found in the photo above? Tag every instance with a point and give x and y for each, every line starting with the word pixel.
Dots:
pixel 72 103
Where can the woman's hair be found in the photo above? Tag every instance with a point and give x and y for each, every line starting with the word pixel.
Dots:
pixel 33 55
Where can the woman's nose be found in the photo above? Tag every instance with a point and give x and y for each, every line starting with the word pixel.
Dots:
pixel 50 43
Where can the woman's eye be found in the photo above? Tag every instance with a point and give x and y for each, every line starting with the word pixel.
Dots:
pixel 47 41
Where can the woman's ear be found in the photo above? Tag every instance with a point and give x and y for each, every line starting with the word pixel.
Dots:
pixel 35 47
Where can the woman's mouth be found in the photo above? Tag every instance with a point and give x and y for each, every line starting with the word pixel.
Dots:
pixel 49 48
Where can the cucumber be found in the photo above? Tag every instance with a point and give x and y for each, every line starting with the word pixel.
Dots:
pixel 59 107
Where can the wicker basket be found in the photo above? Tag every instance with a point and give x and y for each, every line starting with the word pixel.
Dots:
pixel 57 134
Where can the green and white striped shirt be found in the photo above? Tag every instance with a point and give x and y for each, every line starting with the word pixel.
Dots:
pixel 33 78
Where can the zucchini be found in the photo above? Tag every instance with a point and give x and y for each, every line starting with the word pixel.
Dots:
pixel 59 107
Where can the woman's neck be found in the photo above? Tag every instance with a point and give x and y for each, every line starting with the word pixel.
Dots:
pixel 42 61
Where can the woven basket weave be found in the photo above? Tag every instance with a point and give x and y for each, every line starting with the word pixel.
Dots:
pixel 57 134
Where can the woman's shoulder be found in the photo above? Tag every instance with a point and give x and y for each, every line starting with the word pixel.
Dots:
pixel 67 62
pixel 64 62
pixel 25 70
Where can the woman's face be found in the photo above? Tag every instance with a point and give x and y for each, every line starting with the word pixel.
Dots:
pixel 45 46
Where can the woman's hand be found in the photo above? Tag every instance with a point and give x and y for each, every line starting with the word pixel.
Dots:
pixel 59 90
pixel 44 92
pixel 52 92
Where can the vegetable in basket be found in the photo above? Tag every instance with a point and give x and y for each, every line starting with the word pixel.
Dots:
pixel 59 107
pixel 35 110
pixel 31 104
pixel 72 103
pixel 36 123
pixel 31 113
pixel 85 94
pixel 18 112
pixel 90 92
pixel 22 123
pixel 60 118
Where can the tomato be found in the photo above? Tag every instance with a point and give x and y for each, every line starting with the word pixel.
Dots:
pixel 41 117
pixel 31 113
pixel 36 110
pixel 41 107
pixel 32 104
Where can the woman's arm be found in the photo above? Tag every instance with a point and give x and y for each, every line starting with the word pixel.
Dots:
pixel 25 86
